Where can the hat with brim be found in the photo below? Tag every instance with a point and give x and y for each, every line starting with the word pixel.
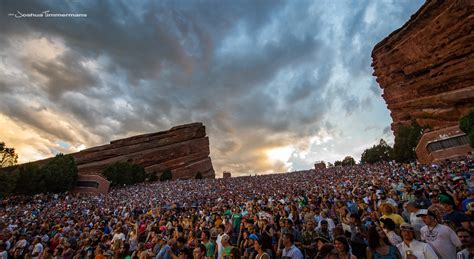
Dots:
pixel 406 226
pixel 446 199
pixel 424 212
pixel 323 239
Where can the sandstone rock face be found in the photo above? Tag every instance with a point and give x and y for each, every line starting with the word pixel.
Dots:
pixel 184 150
pixel 426 68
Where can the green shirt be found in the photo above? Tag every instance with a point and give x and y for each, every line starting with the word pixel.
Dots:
pixel 236 218
pixel 209 249
pixel 228 250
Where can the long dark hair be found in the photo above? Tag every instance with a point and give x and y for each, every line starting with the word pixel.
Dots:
pixel 345 242
pixel 373 237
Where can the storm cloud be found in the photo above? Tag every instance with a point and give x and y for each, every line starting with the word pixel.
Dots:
pixel 278 84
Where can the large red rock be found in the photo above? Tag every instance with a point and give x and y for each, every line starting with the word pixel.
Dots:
pixel 184 150
pixel 426 68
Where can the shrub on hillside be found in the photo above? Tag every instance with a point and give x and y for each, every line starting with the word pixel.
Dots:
pixel 152 177
pixel 466 124
pixel 166 176
pixel 124 173
pixel 199 175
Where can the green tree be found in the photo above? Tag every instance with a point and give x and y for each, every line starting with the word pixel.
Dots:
pixel 30 180
pixel 377 153
pixel 406 140
pixel 166 175
pixel 7 182
pixel 338 163
pixel 139 174
pixel 466 124
pixel 152 177
pixel 60 174
pixel 8 157
pixel 348 161
pixel 124 173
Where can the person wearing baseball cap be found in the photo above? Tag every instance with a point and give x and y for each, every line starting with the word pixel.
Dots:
pixel 416 222
pixel 458 218
pixel 411 248
pixel 442 238
pixel 260 253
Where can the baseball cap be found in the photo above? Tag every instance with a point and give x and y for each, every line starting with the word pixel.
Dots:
pixel 253 237
pixel 425 212
pixel 446 199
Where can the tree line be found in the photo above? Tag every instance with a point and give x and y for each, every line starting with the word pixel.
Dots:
pixel 58 175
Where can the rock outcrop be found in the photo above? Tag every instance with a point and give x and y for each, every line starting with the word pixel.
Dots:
pixel 426 68
pixel 184 150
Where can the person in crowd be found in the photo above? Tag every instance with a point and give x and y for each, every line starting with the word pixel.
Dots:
pixel 411 248
pixel 308 239
pixel 441 238
pixel 389 229
pixel 343 248
pixel 467 252
pixel 165 250
pixel 206 241
pixel 131 221
pixel 379 245
pixel 389 212
pixel 219 249
pixel 199 252
pixel 290 250
pixel 227 247
pixel 465 236
pixel 457 218
pixel 416 222
pixel 327 251
pixel 260 253
pixel 323 230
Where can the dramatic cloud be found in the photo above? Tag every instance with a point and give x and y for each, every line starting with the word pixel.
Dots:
pixel 279 84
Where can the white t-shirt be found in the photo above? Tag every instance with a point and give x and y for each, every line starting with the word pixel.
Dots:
pixel 220 247
pixel 38 249
pixel 442 239
pixel 419 249
pixel 118 236
pixel 416 222
pixel 331 224
pixel 4 255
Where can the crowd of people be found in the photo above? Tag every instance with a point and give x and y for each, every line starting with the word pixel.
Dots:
pixel 383 210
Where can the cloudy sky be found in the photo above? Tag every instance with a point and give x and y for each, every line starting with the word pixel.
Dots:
pixel 278 84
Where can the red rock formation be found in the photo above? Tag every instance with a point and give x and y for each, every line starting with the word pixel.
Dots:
pixel 426 68
pixel 183 149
